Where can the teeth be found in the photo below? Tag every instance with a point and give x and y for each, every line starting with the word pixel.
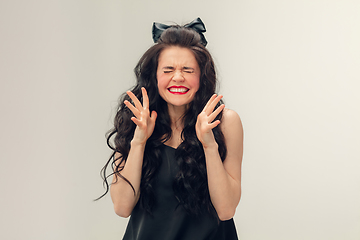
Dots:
pixel 181 90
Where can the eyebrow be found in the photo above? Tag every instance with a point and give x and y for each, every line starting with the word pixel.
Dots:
pixel 168 67
pixel 184 68
pixel 188 68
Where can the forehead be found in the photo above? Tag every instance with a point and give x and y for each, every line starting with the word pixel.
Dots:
pixel 177 56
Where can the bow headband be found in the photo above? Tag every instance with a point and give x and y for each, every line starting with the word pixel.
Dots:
pixel 197 25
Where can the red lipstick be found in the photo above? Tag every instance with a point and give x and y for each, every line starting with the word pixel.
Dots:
pixel 178 90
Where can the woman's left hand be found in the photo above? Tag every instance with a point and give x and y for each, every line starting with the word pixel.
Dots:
pixel 205 121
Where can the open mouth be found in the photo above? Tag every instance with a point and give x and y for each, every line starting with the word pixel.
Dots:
pixel 178 90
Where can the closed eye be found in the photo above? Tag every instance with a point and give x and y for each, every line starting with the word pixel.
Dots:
pixel 168 69
pixel 188 70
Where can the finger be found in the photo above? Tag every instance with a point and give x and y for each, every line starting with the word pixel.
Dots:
pixel 212 105
pixel 135 111
pixel 213 115
pixel 135 100
pixel 214 124
pixel 208 103
pixel 145 98
pixel 136 121
pixel 153 116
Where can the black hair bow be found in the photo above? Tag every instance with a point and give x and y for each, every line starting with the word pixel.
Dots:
pixel 196 25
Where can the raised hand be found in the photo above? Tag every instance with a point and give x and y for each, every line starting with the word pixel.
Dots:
pixel 145 123
pixel 205 121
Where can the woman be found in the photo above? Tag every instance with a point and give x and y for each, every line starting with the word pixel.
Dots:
pixel 178 151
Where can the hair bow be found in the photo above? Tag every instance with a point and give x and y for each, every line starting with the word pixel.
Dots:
pixel 196 25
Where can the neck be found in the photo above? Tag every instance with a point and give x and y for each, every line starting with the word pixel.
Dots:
pixel 176 116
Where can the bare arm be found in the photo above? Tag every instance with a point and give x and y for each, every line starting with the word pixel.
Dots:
pixel 224 178
pixel 121 192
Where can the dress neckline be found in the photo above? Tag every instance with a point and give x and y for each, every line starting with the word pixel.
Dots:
pixel 170 146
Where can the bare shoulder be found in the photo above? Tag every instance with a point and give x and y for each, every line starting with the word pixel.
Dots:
pixel 231 122
pixel 232 129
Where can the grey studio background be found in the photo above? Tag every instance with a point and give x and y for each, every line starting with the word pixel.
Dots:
pixel 289 68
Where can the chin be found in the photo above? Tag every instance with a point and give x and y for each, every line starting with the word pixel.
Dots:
pixel 178 104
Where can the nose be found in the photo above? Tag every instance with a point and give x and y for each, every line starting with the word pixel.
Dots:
pixel 178 76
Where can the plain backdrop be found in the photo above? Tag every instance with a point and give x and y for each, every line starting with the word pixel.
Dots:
pixel 289 68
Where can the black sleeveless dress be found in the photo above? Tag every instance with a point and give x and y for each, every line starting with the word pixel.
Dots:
pixel 169 220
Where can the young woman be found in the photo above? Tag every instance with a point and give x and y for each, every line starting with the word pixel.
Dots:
pixel 178 151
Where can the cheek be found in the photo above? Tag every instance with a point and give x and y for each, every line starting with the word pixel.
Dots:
pixel 161 82
pixel 195 83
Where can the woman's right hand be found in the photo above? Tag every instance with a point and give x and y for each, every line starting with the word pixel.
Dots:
pixel 145 123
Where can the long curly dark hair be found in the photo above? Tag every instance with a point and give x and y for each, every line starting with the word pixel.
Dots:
pixel 190 185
